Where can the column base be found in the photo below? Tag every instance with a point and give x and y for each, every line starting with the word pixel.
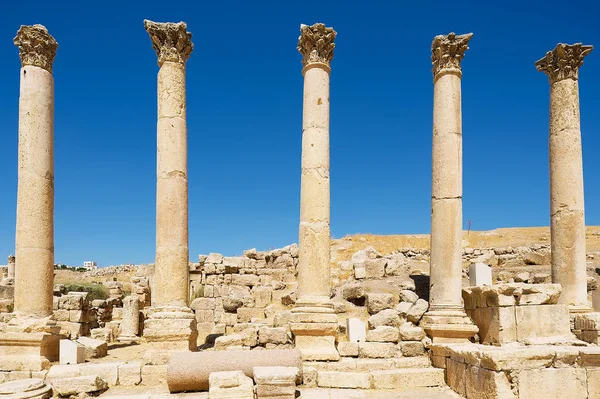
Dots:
pixel 579 309
pixel 169 329
pixel 29 344
pixel 128 339
pixel 448 326
pixel 314 326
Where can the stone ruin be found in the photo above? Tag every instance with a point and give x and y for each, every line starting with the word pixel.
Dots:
pixel 270 323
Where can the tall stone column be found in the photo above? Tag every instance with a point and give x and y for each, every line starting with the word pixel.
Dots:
pixel 171 320
pixel 567 219
pixel 34 239
pixel 313 322
pixel 30 340
pixel 130 322
pixel 446 319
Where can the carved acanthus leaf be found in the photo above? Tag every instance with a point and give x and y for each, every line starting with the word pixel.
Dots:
pixel 447 51
pixel 564 61
pixel 171 41
pixel 36 46
pixel 316 44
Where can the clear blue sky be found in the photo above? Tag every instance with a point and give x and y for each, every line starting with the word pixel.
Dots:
pixel 244 102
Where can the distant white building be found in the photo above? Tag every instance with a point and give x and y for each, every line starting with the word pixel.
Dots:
pixel 89 265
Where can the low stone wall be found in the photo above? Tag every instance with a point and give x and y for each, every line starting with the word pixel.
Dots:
pixel 534 372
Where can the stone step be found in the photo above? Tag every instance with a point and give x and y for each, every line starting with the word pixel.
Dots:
pixel 397 379
pixel 365 365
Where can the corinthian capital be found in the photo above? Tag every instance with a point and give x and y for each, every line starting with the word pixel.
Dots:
pixel 36 46
pixel 316 44
pixel 171 41
pixel 563 62
pixel 447 51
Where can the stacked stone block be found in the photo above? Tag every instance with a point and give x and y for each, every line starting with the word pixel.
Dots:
pixel 73 314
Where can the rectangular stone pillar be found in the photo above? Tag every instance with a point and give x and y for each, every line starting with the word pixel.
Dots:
pixel 313 322
pixel 567 219
pixel 446 320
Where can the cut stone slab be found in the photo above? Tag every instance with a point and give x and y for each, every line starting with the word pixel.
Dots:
pixel 78 385
pixel 356 329
pixel 337 379
pixel 230 385
pixel 553 383
pixel 378 302
pixel 275 382
pixel 383 334
pixel 33 388
pixel 480 274
pixel 408 378
pixel 71 352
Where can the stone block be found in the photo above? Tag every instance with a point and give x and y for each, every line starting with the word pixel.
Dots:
pixel 248 280
pixel 417 311
pixel 348 349
pixel 230 385
pixel 94 348
pixel 360 272
pixel 456 376
pixel 383 334
pixel 206 316
pixel 412 348
pixel 353 292
pixel 245 315
pixel 481 383
pixel 377 350
pixel 408 296
pixel 542 321
pixel 273 335
pixel 410 332
pixel 154 375
pixel 553 383
pixel 377 302
pixel 233 341
pixel 356 329
pixel 375 268
pixel 109 372
pixel 71 302
pixel 78 385
pixel 309 376
pixel 593 383
pixel 262 297
pixel 408 378
pixel 71 352
pixel 130 374
pixel 596 300
pixel 203 304
pixel 480 274
pixel 387 317
pixel 337 379
pixel 497 325
pixel 275 382
pixel 61 315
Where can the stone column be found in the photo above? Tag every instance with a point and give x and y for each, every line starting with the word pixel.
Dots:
pixel 313 323
pixel 30 340
pixel 130 323
pixel 567 220
pixel 11 267
pixel 35 192
pixel 446 319
pixel 171 319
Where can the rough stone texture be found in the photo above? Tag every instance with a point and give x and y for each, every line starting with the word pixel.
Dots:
pixel 337 379
pixel 407 378
pixel 567 220
pixel 190 371
pixel 387 317
pixel 377 350
pixel 131 319
pixel 275 382
pixel 483 384
pixel 34 240
pixel 553 383
pixel 33 388
pixel 230 385
pixel 78 385
pixel 383 334
pixel 376 302
pixel 94 348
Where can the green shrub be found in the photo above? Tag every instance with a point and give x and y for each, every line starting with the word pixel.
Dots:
pixel 199 293
pixel 95 290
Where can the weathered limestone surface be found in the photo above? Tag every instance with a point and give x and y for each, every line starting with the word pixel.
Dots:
pixel 131 319
pixel 171 319
pixel 34 388
pixel 446 319
pixel 191 371
pixel 317 340
pixel 567 219
pixel 34 269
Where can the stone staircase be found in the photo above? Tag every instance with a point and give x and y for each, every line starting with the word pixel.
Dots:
pixel 398 373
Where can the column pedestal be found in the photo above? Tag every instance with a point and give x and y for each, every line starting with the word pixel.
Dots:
pixel 315 325
pixel 29 344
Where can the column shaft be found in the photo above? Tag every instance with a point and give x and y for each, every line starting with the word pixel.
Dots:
pixel 314 234
pixel 566 194
pixel 172 255
pixel 34 269
pixel 446 200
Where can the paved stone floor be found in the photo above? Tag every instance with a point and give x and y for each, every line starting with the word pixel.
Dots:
pixel 422 393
